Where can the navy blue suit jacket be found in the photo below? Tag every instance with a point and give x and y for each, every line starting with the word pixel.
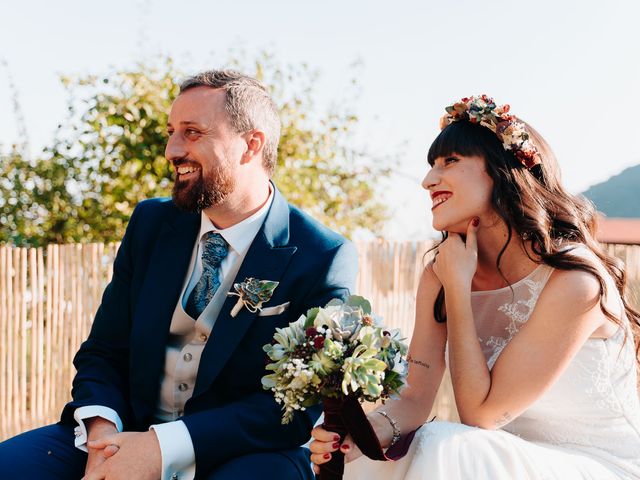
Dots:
pixel 121 363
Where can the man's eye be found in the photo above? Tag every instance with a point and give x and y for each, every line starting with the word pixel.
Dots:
pixel 191 132
pixel 169 132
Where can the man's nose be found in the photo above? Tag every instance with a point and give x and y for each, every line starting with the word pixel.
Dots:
pixel 175 148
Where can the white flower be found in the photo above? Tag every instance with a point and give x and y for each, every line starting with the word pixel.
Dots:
pixel 399 366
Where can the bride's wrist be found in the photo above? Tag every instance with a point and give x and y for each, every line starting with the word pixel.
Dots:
pixel 383 427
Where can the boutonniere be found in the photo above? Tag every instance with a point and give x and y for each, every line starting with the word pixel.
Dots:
pixel 252 293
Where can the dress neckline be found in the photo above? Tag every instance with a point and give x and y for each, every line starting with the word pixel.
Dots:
pixel 509 287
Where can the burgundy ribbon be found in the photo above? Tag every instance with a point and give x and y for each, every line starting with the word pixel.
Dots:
pixel 345 416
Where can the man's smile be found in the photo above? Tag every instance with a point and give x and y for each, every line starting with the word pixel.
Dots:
pixel 185 172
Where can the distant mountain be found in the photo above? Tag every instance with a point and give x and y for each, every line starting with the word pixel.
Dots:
pixel 619 196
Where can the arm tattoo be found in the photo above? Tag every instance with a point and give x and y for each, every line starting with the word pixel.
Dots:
pixel 503 420
pixel 410 359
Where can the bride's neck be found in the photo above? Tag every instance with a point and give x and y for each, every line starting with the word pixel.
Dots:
pixel 515 263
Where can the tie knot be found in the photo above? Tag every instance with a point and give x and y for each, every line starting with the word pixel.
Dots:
pixel 215 250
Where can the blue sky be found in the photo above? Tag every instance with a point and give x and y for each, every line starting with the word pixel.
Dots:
pixel 569 68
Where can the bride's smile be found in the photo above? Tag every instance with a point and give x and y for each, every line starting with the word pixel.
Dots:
pixel 462 183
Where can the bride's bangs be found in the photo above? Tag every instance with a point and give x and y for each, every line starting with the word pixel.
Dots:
pixel 463 138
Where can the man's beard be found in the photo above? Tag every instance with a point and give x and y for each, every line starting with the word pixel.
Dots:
pixel 207 190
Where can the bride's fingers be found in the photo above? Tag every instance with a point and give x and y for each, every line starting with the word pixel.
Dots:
pixel 351 451
pixel 320 458
pixel 323 447
pixel 323 435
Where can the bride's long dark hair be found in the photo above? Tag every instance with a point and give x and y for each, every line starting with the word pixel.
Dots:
pixel 534 205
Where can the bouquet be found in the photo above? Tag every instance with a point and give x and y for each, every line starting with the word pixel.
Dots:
pixel 339 355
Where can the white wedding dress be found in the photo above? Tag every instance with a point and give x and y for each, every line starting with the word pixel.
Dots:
pixel 586 426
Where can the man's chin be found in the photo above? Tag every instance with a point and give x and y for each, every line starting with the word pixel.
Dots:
pixel 186 199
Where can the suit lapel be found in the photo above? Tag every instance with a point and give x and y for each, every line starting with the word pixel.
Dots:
pixel 266 259
pixel 161 288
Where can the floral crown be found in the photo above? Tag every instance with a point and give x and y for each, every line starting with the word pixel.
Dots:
pixel 511 132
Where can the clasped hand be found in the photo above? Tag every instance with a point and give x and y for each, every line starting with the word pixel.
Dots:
pixel 457 259
pixel 124 456
pixel 325 443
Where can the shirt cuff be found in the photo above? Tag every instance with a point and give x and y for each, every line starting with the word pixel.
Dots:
pixel 90 411
pixel 176 448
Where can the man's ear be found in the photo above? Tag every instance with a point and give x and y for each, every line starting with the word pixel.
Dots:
pixel 255 144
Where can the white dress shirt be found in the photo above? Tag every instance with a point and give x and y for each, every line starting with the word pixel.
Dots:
pixel 178 457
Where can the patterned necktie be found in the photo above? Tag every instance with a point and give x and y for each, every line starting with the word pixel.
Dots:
pixel 215 249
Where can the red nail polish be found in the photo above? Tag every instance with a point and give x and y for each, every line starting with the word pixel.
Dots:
pixel 326 456
pixel 336 438
pixel 345 447
pixel 336 445
pixel 476 222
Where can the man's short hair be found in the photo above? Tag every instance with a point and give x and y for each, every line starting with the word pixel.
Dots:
pixel 248 105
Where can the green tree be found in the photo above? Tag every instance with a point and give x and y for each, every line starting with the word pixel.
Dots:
pixel 16 186
pixel 109 155
pixel 36 204
pixel 114 146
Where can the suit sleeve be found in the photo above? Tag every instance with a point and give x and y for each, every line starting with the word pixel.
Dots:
pixel 102 360
pixel 253 423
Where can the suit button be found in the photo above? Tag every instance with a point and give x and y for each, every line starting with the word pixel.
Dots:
pixel 182 387
pixel 174 476
pixel 187 357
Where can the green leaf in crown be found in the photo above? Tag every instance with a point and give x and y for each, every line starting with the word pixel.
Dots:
pixel 252 293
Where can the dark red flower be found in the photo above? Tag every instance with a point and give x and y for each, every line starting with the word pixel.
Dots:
pixel 318 342
pixel 311 332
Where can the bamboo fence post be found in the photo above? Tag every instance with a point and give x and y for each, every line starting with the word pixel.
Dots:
pixel 40 408
pixel 33 363
pixel 65 321
pixel 12 336
pixel 57 321
pixel 74 297
pixel 24 332
pixel 48 333
pixel 4 342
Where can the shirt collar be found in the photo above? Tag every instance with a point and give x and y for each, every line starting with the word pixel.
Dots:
pixel 241 235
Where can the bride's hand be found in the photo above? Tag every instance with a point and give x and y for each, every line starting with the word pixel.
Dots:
pixel 457 259
pixel 324 443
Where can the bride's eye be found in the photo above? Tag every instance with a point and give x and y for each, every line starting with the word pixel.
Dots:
pixel 449 160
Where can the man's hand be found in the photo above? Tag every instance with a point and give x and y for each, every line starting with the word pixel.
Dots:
pixel 138 456
pixel 97 428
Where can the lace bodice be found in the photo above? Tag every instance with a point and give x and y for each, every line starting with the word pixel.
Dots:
pixel 499 314
pixel 594 405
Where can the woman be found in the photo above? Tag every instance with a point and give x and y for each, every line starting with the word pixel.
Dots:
pixel 528 312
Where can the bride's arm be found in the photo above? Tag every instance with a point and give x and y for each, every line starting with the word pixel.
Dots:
pixel 426 366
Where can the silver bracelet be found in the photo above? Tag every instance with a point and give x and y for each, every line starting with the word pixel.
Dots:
pixel 394 426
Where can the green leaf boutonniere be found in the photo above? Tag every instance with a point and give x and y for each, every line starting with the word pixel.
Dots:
pixel 252 293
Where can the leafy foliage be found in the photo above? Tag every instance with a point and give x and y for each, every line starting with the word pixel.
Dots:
pixel 108 155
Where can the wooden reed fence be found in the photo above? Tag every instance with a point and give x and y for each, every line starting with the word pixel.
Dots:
pixel 48 298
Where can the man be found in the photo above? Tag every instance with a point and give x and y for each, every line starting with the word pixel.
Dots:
pixel 166 361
